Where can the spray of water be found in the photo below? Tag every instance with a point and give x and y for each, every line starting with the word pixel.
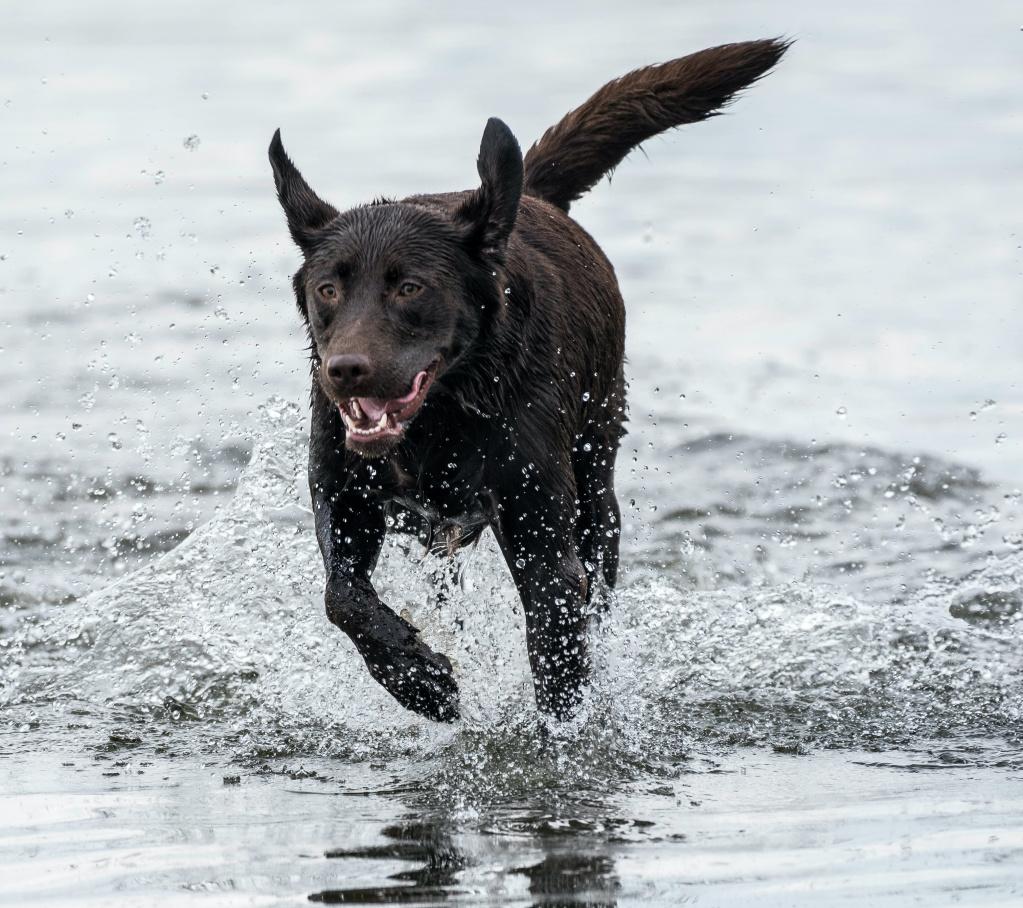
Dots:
pixel 223 644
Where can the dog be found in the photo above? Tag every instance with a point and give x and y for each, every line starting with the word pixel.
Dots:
pixel 467 372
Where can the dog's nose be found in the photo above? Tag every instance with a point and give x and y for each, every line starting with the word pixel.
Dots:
pixel 348 370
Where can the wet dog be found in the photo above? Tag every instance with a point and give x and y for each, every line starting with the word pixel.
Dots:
pixel 467 352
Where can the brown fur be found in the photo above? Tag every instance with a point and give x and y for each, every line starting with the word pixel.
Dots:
pixel 572 156
pixel 517 312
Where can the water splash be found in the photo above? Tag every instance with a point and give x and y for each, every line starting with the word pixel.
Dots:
pixel 223 643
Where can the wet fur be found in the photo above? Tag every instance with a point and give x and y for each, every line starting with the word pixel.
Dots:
pixel 521 428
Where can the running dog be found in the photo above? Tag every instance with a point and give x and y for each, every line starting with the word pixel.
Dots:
pixel 467 352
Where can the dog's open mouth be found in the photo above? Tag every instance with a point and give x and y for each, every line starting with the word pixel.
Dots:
pixel 371 420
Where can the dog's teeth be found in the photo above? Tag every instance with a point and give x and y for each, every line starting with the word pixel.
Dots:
pixel 382 424
pixel 356 409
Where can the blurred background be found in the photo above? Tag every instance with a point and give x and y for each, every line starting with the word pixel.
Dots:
pixel 847 237
pixel 837 258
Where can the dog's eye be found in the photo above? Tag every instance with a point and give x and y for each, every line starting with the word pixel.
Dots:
pixel 409 289
pixel 327 291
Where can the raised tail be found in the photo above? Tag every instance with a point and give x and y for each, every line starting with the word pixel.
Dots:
pixel 572 156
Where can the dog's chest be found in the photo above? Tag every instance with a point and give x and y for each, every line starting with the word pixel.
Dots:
pixel 440 533
pixel 443 499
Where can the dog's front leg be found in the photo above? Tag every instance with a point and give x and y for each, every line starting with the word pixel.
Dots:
pixel 417 677
pixel 350 529
pixel 535 534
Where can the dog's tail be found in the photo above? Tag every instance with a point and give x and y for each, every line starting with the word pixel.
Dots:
pixel 572 156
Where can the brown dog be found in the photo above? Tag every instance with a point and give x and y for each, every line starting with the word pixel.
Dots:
pixel 467 357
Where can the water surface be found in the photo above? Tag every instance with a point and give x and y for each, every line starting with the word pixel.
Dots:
pixel 809 690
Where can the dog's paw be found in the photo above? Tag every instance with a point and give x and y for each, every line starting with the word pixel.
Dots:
pixel 418 678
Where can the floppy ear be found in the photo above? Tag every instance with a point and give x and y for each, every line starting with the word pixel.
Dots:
pixel 489 212
pixel 305 210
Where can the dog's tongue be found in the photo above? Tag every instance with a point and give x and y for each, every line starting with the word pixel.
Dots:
pixel 375 407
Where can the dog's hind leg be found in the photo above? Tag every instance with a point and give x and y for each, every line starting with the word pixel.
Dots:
pixel 598 524
pixel 445 579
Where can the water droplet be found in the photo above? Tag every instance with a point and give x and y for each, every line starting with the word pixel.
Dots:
pixel 586 396
pixel 192 142
pixel 69 213
pixel 115 442
pixel 520 563
pixel 1000 437
pixel 841 412
pixel 687 547
pixel 142 227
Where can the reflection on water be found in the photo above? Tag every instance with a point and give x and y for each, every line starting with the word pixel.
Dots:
pixel 426 844
pixel 777 829
pixel 578 879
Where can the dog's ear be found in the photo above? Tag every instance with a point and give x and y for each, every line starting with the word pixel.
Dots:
pixel 305 210
pixel 488 215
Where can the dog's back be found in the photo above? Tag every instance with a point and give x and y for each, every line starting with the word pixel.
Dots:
pixel 580 324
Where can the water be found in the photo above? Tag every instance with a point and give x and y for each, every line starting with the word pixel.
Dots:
pixel 809 689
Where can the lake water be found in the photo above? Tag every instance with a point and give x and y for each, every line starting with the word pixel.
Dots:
pixel 809 690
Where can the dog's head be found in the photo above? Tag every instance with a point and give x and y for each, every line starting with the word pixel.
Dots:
pixel 395 293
